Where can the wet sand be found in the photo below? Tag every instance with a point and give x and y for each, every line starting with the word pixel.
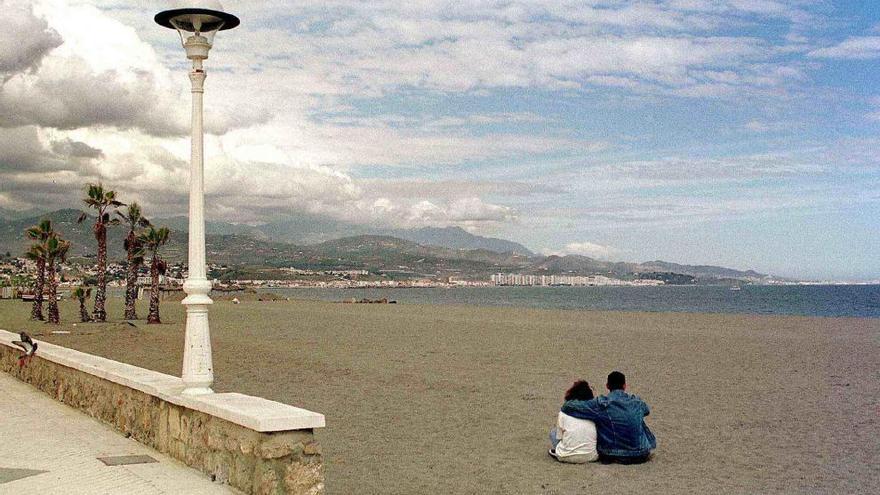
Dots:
pixel 450 399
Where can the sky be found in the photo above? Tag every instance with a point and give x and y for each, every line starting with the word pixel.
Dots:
pixel 741 133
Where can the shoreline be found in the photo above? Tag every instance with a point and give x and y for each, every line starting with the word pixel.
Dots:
pixel 413 395
pixel 826 301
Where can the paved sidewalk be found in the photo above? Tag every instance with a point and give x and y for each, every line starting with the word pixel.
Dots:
pixel 49 448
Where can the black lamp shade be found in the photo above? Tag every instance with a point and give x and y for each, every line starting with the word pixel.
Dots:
pixel 212 20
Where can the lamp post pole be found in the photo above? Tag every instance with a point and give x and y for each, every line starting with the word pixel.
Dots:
pixel 198 368
pixel 197 26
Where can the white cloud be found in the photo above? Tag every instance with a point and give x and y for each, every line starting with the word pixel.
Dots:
pixel 859 48
pixel 24 40
pixel 90 101
pixel 369 49
pixel 763 126
pixel 288 136
pixel 468 212
pixel 874 114
pixel 589 249
pixel 81 68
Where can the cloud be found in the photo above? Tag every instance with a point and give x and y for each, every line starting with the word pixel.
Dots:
pixel 757 126
pixel 346 48
pixel 874 114
pixel 32 149
pixel 373 142
pixel 71 148
pixel 86 80
pixel 455 189
pixel 24 40
pixel 468 212
pixel 48 169
pixel 406 114
pixel 855 48
pixel 589 249
pixel 763 126
pixel 686 169
pixel 686 210
pixel 80 68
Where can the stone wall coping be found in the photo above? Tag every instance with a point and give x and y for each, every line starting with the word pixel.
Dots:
pixel 256 413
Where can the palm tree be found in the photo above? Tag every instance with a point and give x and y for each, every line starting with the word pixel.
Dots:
pixel 133 218
pixel 37 253
pixel 105 202
pixel 81 294
pixel 56 251
pixel 152 240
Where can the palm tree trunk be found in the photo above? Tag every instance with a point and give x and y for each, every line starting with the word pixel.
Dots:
pixel 39 285
pixel 131 281
pixel 83 312
pixel 99 313
pixel 153 317
pixel 54 317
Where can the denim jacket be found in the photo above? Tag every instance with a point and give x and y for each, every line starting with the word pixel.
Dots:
pixel 620 423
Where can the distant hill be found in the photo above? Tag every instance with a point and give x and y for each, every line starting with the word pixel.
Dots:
pixel 585 265
pixel 574 263
pixel 181 224
pixel 7 214
pixel 244 245
pixel 12 236
pixel 458 238
pixel 699 270
pixel 302 229
pixel 309 229
pixel 394 253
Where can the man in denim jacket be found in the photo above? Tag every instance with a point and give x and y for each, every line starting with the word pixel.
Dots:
pixel 623 435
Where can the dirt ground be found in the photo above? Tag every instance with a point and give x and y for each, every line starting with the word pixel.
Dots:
pixel 458 400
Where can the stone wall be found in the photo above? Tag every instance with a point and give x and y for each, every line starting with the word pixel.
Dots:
pixel 286 462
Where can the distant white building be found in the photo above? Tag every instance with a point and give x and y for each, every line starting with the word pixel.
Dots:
pixel 516 279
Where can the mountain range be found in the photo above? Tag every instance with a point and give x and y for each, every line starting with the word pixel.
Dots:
pixel 429 251
pixel 314 229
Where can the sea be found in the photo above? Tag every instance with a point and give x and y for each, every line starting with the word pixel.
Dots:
pixel 804 300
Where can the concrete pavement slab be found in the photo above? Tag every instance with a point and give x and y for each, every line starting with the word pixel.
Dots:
pixel 50 448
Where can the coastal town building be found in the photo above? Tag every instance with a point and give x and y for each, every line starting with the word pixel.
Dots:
pixel 518 279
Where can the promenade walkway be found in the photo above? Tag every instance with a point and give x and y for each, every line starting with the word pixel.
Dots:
pixel 49 448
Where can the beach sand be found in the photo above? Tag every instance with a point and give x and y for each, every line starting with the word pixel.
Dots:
pixel 448 399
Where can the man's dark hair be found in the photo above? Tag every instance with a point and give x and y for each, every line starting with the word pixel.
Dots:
pixel 616 380
pixel 580 390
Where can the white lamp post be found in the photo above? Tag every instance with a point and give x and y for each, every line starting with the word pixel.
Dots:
pixel 197 25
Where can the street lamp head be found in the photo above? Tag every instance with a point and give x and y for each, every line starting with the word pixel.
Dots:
pixel 197 21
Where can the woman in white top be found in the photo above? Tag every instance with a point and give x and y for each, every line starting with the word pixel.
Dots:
pixel 573 440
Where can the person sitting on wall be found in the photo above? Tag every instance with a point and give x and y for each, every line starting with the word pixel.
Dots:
pixel 624 437
pixel 573 440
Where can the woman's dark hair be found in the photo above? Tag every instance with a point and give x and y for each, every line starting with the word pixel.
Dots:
pixel 580 390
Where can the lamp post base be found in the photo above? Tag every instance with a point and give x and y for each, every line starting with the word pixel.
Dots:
pixel 198 369
pixel 197 391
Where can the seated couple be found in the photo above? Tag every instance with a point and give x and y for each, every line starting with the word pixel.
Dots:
pixel 610 428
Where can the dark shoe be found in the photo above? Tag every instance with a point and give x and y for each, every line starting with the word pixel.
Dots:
pixel 607 459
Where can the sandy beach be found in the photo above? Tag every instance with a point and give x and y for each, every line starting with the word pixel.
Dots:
pixel 453 399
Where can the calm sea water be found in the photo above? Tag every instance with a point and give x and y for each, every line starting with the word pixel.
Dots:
pixel 815 300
